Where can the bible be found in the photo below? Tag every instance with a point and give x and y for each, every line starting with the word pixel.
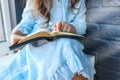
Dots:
pixel 44 34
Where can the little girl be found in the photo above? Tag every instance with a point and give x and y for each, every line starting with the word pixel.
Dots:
pixel 61 59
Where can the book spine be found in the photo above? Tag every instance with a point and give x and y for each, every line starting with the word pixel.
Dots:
pixel 50 39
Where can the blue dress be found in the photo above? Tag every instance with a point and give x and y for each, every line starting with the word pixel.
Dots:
pixel 56 60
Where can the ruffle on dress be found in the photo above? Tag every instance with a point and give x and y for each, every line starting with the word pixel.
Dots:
pixel 72 66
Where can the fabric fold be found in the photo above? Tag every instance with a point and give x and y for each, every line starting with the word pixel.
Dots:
pixel 69 68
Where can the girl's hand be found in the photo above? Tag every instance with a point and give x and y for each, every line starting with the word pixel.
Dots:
pixel 64 27
pixel 16 36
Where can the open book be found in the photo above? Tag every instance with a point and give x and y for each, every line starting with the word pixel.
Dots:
pixel 44 34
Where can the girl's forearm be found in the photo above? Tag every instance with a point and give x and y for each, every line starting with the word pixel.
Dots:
pixel 17 32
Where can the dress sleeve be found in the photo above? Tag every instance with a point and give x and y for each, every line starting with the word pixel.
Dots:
pixel 79 21
pixel 27 23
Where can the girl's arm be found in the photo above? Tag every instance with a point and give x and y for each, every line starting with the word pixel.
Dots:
pixel 77 24
pixel 16 36
pixel 25 26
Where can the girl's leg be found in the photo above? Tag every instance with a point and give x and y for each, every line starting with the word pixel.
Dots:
pixel 79 77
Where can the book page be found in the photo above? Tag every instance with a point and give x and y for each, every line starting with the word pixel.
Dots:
pixel 46 33
pixel 40 33
pixel 54 33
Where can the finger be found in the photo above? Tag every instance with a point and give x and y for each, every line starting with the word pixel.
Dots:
pixel 69 29
pixel 65 28
pixel 54 28
pixel 58 26
pixel 20 48
pixel 22 37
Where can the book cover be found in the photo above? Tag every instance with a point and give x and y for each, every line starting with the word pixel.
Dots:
pixel 44 34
